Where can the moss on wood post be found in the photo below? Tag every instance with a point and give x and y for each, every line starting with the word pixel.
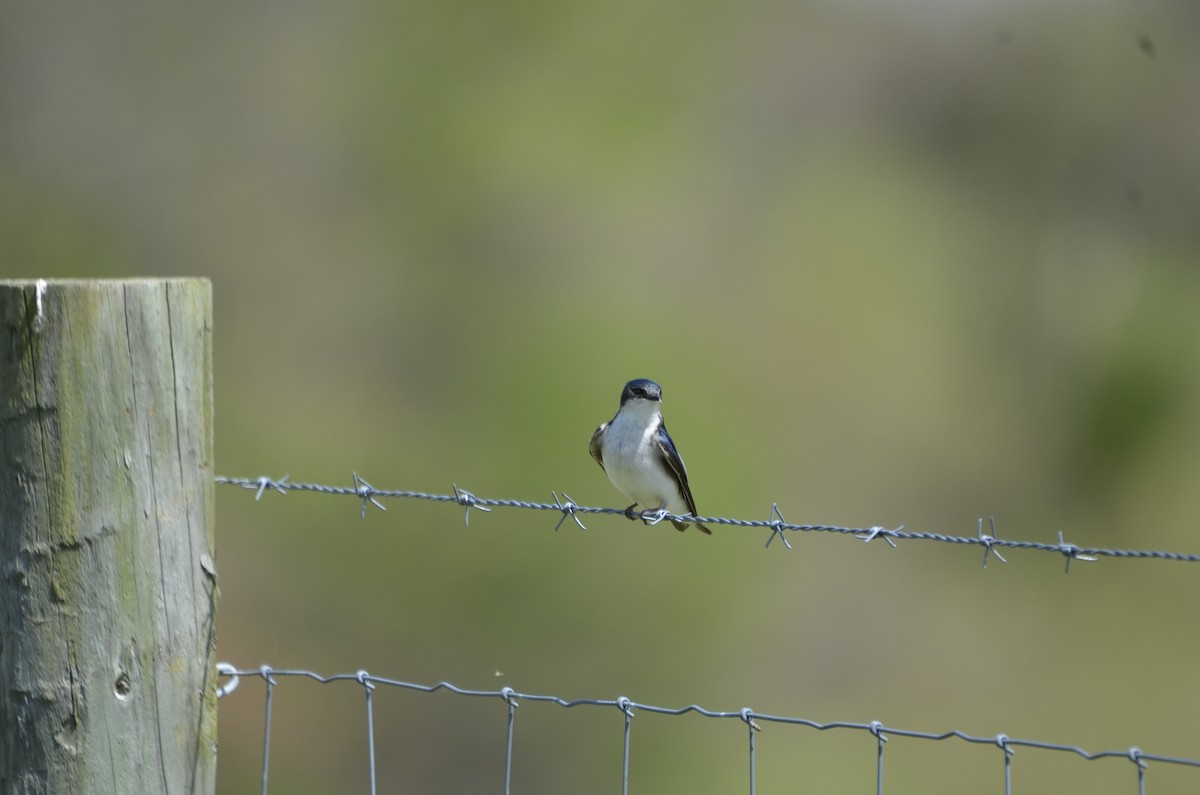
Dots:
pixel 107 583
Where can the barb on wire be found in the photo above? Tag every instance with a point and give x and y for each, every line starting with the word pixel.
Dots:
pixel 365 490
pixel 753 720
pixel 654 517
pixel 1072 552
pixel 466 498
pixel 988 542
pixel 870 535
pixel 568 509
pixel 776 524
pixel 265 483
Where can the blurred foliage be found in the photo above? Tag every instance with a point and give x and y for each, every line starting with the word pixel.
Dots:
pixel 893 263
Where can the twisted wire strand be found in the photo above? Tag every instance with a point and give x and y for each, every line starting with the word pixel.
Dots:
pixel 370 495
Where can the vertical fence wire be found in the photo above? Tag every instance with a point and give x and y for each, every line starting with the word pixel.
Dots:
pixel 750 731
pixel 1135 756
pixel 624 704
pixel 1002 741
pixel 507 695
pixel 747 716
pixel 877 730
pixel 266 757
pixel 365 680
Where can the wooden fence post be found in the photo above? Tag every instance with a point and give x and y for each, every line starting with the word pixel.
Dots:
pixel 107 581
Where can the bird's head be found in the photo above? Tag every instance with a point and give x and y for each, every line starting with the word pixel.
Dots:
pixel 642 390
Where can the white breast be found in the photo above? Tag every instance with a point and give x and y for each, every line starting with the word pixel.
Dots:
pixel 632 460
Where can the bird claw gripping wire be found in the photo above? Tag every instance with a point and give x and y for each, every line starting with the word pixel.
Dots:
pixel 367 492
pixel 777 525
pixel 634 515
pixel 469 500
pixel 988 541
pixel 568 509
pixel 871 534
pixel 1072 552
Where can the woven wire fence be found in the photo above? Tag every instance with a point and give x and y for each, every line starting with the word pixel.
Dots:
pixel 753 721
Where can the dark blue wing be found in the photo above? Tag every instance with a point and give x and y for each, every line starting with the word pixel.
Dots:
pixel 594 446
pixel 675 467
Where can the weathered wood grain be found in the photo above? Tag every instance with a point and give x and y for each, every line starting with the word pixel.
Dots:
pixel 107 582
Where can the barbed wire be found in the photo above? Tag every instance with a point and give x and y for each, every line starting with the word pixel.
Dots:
pixel 991 543
pixel 753 721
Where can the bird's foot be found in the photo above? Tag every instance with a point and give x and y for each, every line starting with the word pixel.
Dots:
pixel 631 514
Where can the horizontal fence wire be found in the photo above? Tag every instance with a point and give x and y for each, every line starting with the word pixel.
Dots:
pixel 569 509
pixel 753 722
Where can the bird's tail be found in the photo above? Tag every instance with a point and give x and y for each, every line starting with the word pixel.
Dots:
pixel 681 526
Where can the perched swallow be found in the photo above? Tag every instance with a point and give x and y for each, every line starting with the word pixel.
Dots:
pixel 636 452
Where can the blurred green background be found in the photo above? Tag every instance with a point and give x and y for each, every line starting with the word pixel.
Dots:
pixel 893 263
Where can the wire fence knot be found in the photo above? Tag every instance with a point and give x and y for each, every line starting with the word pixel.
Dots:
pixel 876 728
pixel 748 716
pixel 625 705
pixel 510 696
pixel 364 679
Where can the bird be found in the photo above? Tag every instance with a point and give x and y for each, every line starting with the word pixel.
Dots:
pixel 636 452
